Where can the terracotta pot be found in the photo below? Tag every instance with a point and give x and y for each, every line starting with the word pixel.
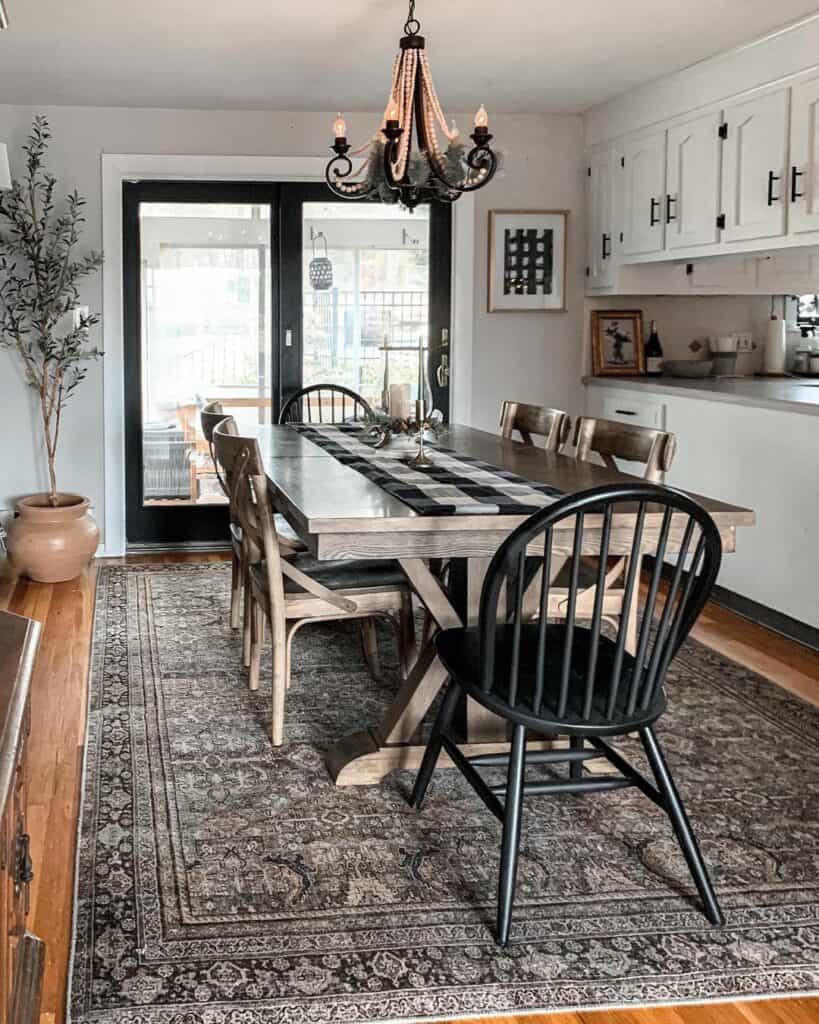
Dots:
pixel 52 543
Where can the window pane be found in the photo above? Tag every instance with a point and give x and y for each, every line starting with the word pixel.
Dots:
pixel 205 336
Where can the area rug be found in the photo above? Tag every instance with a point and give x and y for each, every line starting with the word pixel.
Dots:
pixel 221 881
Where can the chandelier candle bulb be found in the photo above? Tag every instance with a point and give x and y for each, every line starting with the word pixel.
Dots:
pixel 340 127
pixel 482 118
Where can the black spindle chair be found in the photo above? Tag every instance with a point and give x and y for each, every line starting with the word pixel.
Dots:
pixel 325 403
pixel 574 680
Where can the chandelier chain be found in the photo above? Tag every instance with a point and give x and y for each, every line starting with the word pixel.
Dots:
pixel 412 26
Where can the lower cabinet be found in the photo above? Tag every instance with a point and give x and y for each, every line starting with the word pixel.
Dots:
pixel 22 955
pixel 759 457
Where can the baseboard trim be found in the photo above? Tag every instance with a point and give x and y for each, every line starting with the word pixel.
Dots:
pixel 777 622
pixel 204 547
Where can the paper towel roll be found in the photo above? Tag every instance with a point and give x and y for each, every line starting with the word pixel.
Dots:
pixel 773 356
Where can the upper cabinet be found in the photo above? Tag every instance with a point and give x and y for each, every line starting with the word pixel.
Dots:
pixel 754 179
pixel 739 178
pixel 693 182
pixel 642 162
pixel 803 177
pixel 599 203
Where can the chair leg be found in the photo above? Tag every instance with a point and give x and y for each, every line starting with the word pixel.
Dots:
pixel 248 602
pixel 369 644
pixel 511 832
pixel 442 723
pixel 682 826
pixel 257 621
pixel 279 687
pixel 576 767
pixel 235 592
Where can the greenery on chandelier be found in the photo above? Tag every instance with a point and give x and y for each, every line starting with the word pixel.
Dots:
pixel 40 274
pixel 419 174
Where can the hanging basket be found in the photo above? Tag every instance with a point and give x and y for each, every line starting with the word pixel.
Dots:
pixel 321 267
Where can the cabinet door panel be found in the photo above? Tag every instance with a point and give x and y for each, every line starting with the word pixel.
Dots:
pixel 643 194
pixel 600 241
pixel 803 178
pixel 693 197
pixel 754 184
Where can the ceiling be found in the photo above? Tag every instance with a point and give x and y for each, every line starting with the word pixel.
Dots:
pixel 520 56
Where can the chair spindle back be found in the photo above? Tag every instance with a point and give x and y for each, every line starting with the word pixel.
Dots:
pixel 325 403
pixel 211 416
pixel 615 685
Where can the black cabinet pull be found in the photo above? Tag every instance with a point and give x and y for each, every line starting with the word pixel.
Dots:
pixel 771 197
pixel 794 175
pixel 606 242
pixel 655 205
pixel 625 412
pixel 668 215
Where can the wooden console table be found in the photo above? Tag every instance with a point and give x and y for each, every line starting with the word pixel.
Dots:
pixel 22 955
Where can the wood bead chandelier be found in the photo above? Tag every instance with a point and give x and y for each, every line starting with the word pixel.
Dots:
pixel 392 172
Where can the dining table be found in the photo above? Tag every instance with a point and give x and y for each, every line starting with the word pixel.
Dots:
pixel 341 513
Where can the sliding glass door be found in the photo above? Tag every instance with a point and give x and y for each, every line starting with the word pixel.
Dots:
pixel 244 293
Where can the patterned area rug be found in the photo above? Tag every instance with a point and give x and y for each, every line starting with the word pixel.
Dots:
pixel 223 882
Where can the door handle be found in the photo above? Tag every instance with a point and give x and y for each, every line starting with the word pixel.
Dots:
pixel 625 412
pixel 288 338
pixel 668 215
pixel 654 219
pixel 606 241
pixel 794 175
pixel 771 197
pixel 442 373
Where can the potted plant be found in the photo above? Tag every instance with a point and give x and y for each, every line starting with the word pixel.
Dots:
pixel 53 536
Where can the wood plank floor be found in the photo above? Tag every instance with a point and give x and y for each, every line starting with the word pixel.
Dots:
pixel 55 764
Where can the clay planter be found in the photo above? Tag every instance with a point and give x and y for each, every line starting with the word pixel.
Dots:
pixel 52 543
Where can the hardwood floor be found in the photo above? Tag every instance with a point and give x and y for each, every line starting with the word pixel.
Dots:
pixel 55 765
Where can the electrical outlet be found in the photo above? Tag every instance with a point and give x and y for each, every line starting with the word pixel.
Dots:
pixel 745 343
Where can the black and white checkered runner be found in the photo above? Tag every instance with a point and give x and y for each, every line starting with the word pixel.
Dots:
pixel 455 485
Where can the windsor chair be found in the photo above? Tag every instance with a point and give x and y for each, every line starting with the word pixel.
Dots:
pixel 325 403
pixel 291 593
pixel 572 680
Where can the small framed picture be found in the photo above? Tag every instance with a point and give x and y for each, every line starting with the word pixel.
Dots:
pixel 527 261
pixel 617 342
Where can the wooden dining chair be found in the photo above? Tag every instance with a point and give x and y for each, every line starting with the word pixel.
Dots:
pixel 291 593
pixel 611 440
pixel 211 415
pixel 325 403
pixel 526 420
pixel 571 679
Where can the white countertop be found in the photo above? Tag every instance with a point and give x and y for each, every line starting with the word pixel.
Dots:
pixel 794 394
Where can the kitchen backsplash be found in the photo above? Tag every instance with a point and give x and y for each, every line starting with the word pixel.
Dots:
pixel 682 319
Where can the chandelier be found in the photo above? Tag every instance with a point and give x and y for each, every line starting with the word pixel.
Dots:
pixel 391 171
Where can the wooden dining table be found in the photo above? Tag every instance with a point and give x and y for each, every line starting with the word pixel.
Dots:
pixel 341 514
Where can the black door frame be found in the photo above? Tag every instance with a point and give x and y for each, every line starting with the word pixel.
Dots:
pixel 165 524
pixel 145 525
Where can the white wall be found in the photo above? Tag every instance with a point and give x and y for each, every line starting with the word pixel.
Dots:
pixel 534 358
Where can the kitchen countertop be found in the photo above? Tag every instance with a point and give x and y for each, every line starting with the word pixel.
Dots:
pixel 791 394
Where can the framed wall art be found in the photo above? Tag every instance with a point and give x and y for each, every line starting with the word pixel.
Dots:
pixel 617 342
pixel 527 261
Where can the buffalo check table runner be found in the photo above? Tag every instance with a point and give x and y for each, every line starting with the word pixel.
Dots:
pixel 455 485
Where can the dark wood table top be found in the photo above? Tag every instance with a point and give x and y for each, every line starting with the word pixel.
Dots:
pixel 340 513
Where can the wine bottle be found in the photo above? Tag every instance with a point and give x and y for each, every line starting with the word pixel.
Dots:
pixel 654 352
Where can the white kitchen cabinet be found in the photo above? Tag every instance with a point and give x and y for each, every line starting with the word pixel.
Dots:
pixel 754 179
pixel 693 182
pixel 600 185
pixel 643 193
pixel 803 175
